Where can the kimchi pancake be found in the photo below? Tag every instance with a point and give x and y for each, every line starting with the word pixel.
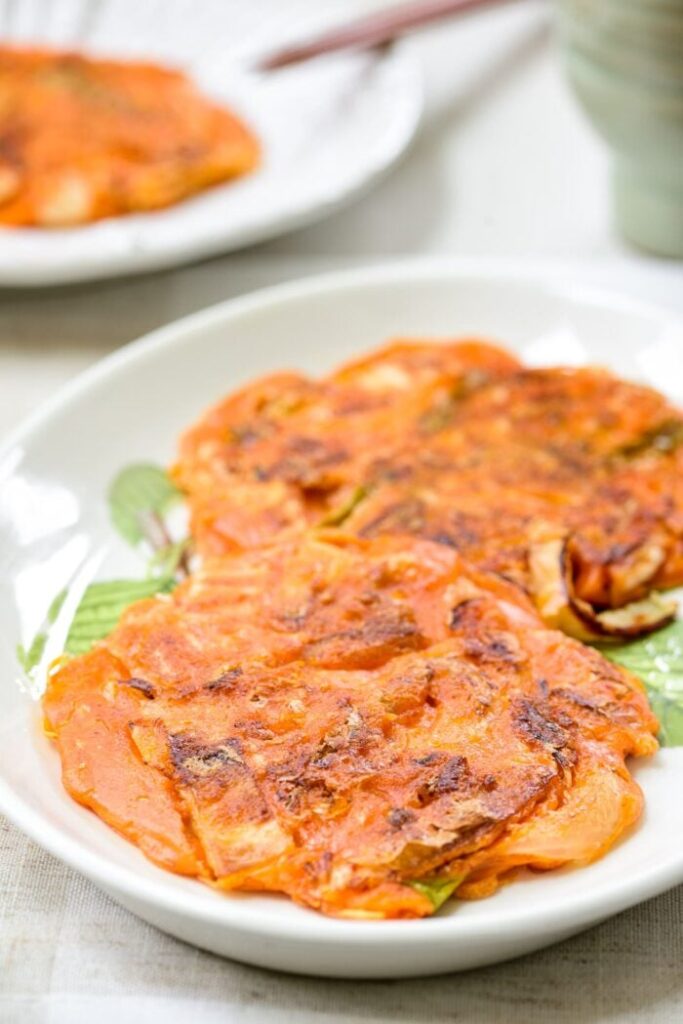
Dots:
pixel 572 461
pixel 347 720
pixel 568 481
pixel 82 139
pixel 288 452
pixel 327 599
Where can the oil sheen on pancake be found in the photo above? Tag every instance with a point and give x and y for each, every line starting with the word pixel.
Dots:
pixel 82 139
pixel 338 719
pixel 567 481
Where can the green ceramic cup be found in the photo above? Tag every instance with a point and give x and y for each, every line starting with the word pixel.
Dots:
pixel 625 61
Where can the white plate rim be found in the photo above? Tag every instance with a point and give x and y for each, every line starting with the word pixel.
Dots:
pixel 586 908
pixel 403 269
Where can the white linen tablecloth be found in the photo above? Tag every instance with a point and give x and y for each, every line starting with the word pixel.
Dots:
pixel 69 955
pixel 504 166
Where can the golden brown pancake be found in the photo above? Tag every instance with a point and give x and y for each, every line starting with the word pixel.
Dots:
pixel 345 720
pixel 287 452
pixel 568 482
pixel 82 139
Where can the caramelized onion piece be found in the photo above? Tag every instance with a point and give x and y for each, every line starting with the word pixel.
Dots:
pixel 553 591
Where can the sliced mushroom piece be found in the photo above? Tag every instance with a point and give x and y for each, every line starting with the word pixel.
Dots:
pixel 553 591
pixel 626 576
pixel 633 576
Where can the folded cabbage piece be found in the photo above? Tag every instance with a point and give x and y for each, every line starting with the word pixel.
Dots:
pixel 567 481
pixel 350 722
pixel 83 139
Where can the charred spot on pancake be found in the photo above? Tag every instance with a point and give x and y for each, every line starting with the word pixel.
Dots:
pixel 195 761
pixel 532 723
pixel 225 681
pixel 478 684
pixel 498 647
pixel 300 785
pixel 298 793
pixel 446 540
pixel 253 729
pixel 391 631
pixel 577 699
pixel 400 816
pixel 304 461
pixel 538 725
pixel 142 685
pixel 352 737
pixel 433 758
pixel 460 614
pixel 453 776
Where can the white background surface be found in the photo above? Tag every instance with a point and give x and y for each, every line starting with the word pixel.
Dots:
pixel 504 166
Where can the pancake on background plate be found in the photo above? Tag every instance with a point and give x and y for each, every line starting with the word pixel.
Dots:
pixel 83 138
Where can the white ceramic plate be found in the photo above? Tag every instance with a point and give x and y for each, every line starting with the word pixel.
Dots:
pixel 329 129
pixel 54 530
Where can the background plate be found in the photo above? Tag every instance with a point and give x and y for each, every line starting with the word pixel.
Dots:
pixel 329 128
pixel 53 527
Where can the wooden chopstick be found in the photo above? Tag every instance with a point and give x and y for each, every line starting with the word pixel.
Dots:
pixel 375 30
